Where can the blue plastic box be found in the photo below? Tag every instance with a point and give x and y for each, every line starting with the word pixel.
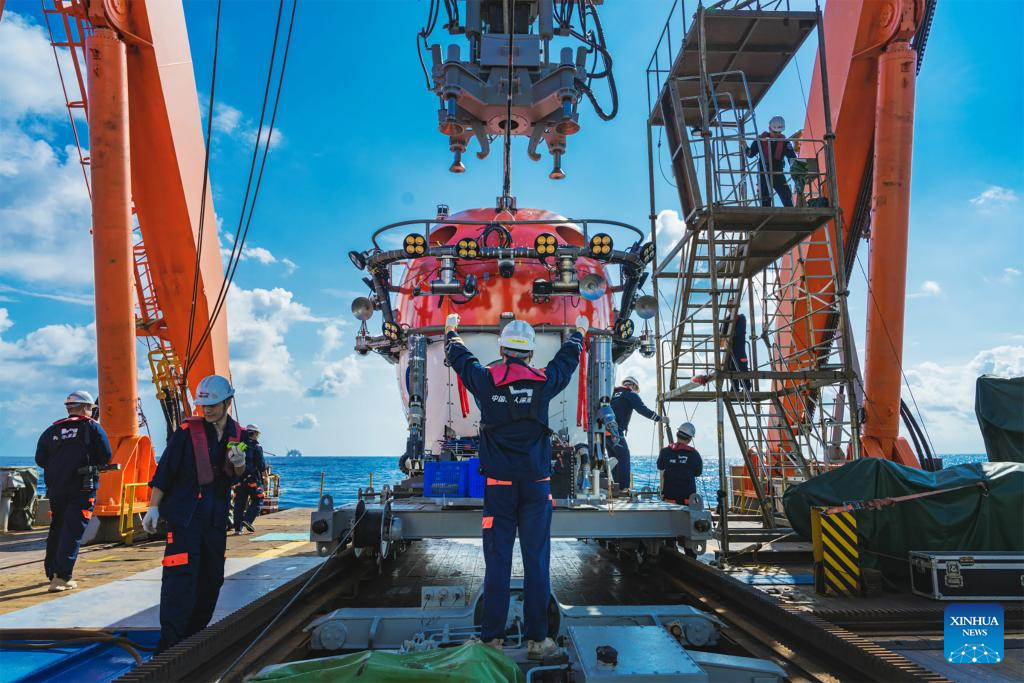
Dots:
pixel 475 479
pixel 444 479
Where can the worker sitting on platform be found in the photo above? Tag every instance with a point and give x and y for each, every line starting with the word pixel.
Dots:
pixel 69 451
pixel 680 465
pixel 736 346
pixel 515 457
pixel 192 491
pixel 626 400
pixel 772 150
pixel 249 491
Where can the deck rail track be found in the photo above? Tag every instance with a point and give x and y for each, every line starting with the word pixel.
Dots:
pixel 203 656
pixel 817 649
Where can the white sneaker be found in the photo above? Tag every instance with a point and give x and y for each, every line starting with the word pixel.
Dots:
pixel 538 650
pixel 58 584
pixel 495 643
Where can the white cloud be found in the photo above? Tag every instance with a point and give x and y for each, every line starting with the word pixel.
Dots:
pixel 928 288
pixel 231 123
pixel 1007 277
pixel 337 378
pixel 261 255
pixel 226 118
pixel 306 421
pixel 993 196
pixel 330 335
pixel 258 320
pixel 28 79
pixel 945 395
pixel 63 297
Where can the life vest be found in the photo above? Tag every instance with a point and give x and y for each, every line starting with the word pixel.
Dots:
pixel 201 448
pixel 779 146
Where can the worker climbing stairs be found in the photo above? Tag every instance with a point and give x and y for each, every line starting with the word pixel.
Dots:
pixel 757 292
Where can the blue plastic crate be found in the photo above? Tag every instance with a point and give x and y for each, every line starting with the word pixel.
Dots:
pixel 474 478
pixel 444 479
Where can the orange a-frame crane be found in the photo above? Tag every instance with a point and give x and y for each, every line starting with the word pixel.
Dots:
pixel 147 159
pixel 872 71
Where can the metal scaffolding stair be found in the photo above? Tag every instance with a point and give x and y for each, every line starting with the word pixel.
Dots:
pixel 791 409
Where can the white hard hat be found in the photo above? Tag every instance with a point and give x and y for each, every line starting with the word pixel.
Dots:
pixel 252 428
pixel 630 379
pixel 76 397
pixel 777 124
pixel 518 335
pixel 687 429
pixel 212 390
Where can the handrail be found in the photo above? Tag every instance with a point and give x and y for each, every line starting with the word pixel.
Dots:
pixel 126 514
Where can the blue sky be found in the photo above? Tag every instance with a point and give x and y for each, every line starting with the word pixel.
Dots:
pixel 358 149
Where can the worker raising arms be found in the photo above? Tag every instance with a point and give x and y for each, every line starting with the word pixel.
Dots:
pixel 515 456
pixel 192 491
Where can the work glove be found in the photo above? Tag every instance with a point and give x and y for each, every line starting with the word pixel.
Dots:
pixel 451 323
pixel 151 519
pixel 582 324
pixel 661 418
pixel 236 454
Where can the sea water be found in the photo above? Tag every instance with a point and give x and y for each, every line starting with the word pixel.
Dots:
pixel 344 476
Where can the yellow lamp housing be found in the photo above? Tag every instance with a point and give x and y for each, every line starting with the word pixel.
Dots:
pixel 390 331
pixel 467 248
pixel 624 328
pixel 545 244
pixel 414 245
pixel 601 246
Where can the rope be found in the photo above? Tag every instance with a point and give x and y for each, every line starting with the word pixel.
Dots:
pixel 879 503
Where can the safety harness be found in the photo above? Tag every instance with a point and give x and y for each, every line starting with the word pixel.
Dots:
pixel 201 448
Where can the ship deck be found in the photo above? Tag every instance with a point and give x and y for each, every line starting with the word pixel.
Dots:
pixel 130 576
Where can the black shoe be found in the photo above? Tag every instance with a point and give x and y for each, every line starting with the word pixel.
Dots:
pixel 249 527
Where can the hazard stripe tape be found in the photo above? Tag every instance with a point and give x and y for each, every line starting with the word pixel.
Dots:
pixel 841 553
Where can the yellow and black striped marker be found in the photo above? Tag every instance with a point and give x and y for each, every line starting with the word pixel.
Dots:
pixel 836 552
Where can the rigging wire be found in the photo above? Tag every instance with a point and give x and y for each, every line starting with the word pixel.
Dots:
pixel 240 239
pixel 202 203
pixel 506 186
pixel 892 344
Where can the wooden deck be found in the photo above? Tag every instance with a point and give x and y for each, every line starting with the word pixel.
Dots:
pixel 23 583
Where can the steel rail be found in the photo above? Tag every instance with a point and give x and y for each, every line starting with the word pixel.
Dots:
pixel 803 638
pixel 203 655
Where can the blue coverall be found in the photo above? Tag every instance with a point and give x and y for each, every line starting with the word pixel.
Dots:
pixel 63 448
pixel 515 457
pixel 738 350
pixel 772 150
pixel 249 491
pixel 682 465
pixel 197 519
pixel 624 402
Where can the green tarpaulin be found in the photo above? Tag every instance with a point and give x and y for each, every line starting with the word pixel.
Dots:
pixel 469 662
pixel 965 519
pixel 999 405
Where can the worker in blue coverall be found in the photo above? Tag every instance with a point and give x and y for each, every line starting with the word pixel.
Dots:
pixel 191 491
pixel 249 491
pixel 680 464
pixel 625 401
pixel 737 347
pixel 65 449
pixel 515 457
pixel 772 149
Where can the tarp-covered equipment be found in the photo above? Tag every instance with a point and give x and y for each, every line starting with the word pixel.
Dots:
pixel 961 515
pixel 468 662
pixel 999 405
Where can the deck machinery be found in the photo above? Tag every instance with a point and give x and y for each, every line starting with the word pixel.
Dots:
pixel 493 265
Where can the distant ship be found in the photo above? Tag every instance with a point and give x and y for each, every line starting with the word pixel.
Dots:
pixel 294 453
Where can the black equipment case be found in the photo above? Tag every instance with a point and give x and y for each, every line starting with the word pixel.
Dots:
pixel 967 575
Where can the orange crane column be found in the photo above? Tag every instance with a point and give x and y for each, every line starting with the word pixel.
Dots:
pixel 890 218
pixel 112 233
